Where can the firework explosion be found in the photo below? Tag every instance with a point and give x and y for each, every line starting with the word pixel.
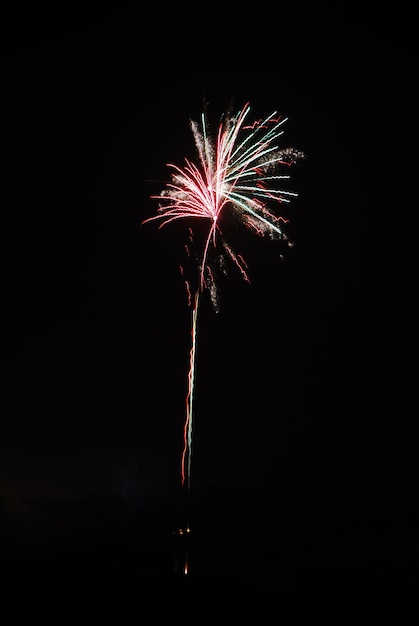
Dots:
pixel 236 173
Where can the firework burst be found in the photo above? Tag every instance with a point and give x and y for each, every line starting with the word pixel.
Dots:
pixel 237 172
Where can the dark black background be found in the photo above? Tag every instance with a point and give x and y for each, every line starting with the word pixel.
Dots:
pixel 304 473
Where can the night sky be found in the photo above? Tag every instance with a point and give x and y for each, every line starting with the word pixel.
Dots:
pixel 304 467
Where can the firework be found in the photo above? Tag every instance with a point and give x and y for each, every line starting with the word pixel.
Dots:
pixel 236 172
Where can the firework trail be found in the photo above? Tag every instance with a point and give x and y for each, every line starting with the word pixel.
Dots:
pixel 187 431
pixel 236 173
